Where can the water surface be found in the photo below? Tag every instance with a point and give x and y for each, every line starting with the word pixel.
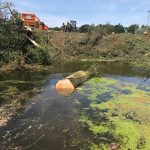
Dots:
pixel 90 118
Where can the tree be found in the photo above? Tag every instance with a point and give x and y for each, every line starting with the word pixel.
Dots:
pixel 56 29
pixel 133 28
pixel 119 29
pixel 143 26
pixel 14 44
pixel 109 28
pixel 84 28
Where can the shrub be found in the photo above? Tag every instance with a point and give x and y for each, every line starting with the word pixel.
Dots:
pixel 84 28
pixel 119 29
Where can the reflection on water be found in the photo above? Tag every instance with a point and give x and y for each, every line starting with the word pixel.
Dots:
pixel 88 119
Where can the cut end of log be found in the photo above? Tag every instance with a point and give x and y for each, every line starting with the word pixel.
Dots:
pixel 64 87
pixel 67 85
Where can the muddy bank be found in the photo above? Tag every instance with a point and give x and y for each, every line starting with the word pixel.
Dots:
pixel 11 67
pixel 97 45
pixel 134 48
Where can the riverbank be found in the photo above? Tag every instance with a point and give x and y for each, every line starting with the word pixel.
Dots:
pixel 7 68
pixel 129 48
pixel 134 48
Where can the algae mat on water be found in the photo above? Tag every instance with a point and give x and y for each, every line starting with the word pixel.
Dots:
pixel 117 115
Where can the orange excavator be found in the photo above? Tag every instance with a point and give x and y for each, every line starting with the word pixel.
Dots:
pixel 33 21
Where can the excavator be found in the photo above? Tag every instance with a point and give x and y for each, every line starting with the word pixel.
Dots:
pixel 33 21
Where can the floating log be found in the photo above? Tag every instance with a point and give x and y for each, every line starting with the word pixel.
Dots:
pixel 67 86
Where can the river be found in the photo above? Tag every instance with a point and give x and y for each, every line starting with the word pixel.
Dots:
pixel 110 111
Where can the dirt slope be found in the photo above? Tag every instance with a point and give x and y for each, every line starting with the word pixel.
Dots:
pixel 95 45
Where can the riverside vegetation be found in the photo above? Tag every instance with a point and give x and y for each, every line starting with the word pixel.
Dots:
pixel 99 44
pixel 15 48
pixel 90 42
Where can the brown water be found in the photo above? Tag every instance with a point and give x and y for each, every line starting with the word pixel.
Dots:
pixel 51 121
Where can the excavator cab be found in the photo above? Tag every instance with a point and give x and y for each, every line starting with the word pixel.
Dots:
pixel 33 21
pixel 73 25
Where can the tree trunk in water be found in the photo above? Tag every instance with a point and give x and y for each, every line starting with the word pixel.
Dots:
pixel 67 86
pixel 79 77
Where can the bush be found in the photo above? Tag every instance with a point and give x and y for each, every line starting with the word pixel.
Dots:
pixel 132 28
pixel 84 28
pixel 107 28
pixel 119 29
pixel 40 56
pixel 15 47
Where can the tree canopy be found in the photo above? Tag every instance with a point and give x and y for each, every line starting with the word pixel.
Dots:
pixel 84 28
pixel 133 28
pixel 119 29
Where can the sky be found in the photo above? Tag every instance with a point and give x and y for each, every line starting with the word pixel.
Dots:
pixel 55 12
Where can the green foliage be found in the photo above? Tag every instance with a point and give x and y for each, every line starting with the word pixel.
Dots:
pixel 56 29
pixel 84 28
pixel 107 28
pixel 10 36
pixel 40 56
pixel 15 47
pixel 133 28
pixel 12 41
pixel 119 29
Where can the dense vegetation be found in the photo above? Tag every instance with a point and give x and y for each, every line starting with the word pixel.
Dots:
pixel 109 28
pixel 15 47
pixel 114 46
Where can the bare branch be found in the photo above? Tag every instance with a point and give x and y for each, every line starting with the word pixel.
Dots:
pixel 6 9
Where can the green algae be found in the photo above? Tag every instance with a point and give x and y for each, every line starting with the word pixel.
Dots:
pixel 94 128
pixel 77 101
pixel 98 147
pixel 7 92
pixel 10 89
pixel 126 109
pixel 98 86
pixel 126 132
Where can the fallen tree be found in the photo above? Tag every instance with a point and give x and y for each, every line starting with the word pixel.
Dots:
pixel 33 42
pixel 67 86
